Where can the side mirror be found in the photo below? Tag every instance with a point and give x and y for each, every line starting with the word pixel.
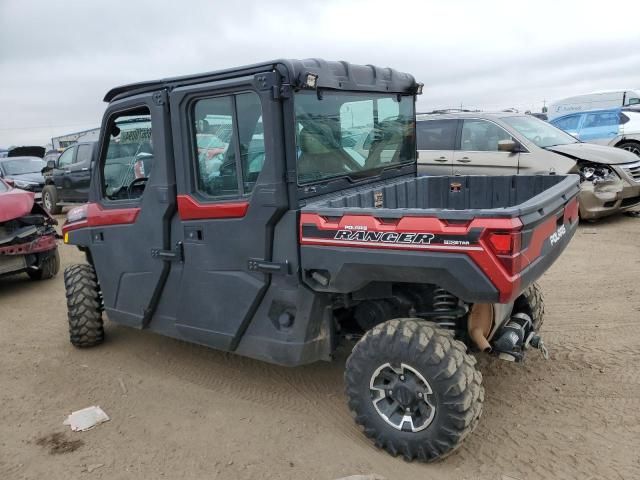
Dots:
pixel 508 146
pixel 51 164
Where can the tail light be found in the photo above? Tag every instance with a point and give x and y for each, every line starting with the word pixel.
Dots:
pixel 507 248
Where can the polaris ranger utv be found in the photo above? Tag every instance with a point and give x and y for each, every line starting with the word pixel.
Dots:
pixel 280 212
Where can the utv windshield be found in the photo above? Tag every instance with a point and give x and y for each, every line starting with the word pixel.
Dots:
pixel 541 133
pixel 352 134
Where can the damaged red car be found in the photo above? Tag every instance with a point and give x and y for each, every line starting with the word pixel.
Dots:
pixel 28 239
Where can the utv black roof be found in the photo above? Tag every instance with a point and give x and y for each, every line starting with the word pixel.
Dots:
pixel 333 75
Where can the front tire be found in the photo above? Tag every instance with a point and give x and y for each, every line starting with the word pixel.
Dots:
pixel 632 147
pixel 49 267
pixel 50 200
pixel 84 306
pixel 413 389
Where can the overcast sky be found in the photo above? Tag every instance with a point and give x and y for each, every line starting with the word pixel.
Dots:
pixel 58 58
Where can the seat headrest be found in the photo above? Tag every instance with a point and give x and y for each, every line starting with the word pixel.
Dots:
pixel 313 143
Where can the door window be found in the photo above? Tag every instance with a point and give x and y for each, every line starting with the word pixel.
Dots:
pixel 228 136
pixel 482 136
pixel 567 123
pixel 84 154
pixel 436 134
pixel 601 119
pixel 66 158
pixel 129 158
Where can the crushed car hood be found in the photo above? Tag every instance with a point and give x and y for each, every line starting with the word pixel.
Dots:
pixel 595 153
pixel 14 204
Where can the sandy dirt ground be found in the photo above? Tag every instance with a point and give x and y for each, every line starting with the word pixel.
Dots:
pixel 183 411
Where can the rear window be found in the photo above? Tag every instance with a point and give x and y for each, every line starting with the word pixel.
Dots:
pixel 436 134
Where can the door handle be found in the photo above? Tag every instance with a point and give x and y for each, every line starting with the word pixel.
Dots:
pixel 85 169
pixel 464 160
pixel 441 159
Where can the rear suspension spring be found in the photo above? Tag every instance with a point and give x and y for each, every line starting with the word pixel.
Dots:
pixel 445 308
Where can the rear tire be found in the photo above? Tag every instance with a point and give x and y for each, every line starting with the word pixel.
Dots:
pixel 50 199
pixel 532 303
pixel 49 267
pixel 414 389
pixel 84 306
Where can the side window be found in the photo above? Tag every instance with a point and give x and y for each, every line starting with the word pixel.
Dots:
pixel 567 123
pixel 66 158
pixel 601 119
pixel 251 134
pixel 228 132
pixel 436 134
pixel 624 119
pixel 129 158
pixel 482 136
pixel 84 154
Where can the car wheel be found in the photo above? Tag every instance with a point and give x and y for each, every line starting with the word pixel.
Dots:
pixel 632 147
pixel 48 268
pixel 50 199
pixel 413 389
pixel 84 306
pixel 531 302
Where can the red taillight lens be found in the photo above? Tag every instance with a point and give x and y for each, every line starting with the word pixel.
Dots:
pixel 507 246
pixel 501 243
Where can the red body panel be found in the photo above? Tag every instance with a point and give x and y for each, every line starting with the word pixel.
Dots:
pixel 473 240
pixel 98 216
pixel 15 203
pixel 191 209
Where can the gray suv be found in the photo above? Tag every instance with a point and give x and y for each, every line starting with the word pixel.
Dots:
pixel 481 143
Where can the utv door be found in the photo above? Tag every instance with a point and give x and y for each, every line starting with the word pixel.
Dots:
pixel 230 193
pixel 478 153
pixel 436 141
pixel 134 209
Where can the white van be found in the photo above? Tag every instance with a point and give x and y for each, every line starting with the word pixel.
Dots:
pixel 594 101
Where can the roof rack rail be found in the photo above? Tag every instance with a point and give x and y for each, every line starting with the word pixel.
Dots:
pixel 448 110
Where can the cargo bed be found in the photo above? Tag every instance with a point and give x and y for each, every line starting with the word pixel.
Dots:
pixel 454 197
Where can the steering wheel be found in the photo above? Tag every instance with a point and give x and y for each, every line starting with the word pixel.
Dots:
pixel 537 139
pixel 135 182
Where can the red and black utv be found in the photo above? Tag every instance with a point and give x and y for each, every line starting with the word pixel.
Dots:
pixel 273 210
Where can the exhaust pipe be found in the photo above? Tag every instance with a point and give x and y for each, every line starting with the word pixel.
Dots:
pixel 479 325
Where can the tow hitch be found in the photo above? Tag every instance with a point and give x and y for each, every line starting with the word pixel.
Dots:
pixel 516 337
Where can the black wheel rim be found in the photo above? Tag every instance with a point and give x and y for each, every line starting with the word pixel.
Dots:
pixel 632 149
pixel 402 397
